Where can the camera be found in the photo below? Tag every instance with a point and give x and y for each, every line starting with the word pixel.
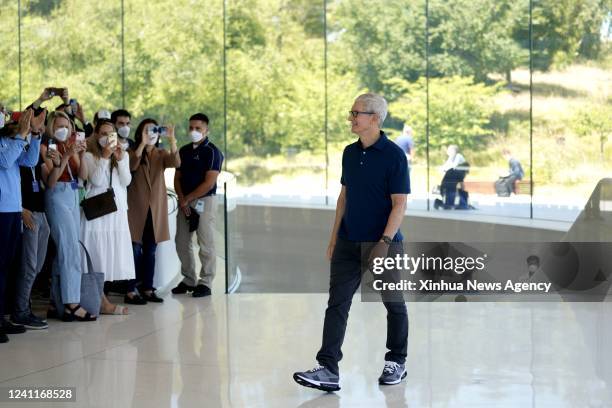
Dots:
pixel 161 130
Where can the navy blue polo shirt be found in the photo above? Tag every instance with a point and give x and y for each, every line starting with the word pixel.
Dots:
pixel 370 176
pixel 195 162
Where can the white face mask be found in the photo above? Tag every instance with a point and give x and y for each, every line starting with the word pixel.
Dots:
pixel 195 136
pixel 103 141
pixel 124 131
pixel 1 119
pixel 61 134
pixel 124 145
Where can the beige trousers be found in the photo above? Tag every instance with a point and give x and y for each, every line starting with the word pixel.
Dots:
pixel 206 241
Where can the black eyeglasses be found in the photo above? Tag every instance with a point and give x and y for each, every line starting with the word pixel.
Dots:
pixel 356 113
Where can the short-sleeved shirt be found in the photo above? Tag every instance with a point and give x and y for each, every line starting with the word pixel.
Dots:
pixel 196 162
pixel 370 176
pixel 405 142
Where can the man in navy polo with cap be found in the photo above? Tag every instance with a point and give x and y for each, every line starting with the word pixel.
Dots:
pixel 370 209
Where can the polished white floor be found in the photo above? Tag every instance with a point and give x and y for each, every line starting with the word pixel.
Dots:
pixel 241 351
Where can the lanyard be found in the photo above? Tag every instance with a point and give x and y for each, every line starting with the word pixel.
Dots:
pixel 69 171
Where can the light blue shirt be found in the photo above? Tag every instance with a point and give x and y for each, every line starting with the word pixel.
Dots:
pixel 13 155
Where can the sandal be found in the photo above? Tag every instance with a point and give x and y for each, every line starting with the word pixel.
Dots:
pixel 70 315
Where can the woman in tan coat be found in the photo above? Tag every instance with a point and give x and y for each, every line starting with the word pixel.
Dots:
pixel 148 205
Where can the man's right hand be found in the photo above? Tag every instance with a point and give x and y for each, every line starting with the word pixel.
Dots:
pixel 24 123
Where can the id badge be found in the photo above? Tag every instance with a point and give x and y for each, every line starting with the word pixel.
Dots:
pixel 74 184
pixel 199 207
pixel 35 186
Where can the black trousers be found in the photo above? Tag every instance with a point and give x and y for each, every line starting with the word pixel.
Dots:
pixel 345 278
pixel 144 258
pixel 10 241
pixel 448 185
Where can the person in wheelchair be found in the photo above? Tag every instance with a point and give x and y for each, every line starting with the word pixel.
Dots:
pixel 455 169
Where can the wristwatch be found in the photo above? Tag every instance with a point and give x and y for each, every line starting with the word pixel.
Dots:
pixel 387 240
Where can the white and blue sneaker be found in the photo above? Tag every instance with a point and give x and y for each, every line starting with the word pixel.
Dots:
pixel 393 373
pixel 319 377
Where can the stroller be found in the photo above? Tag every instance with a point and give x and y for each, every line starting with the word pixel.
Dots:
pixel 452 187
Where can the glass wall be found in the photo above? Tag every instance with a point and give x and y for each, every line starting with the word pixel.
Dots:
pixel 9 49
pixel 275 99
pixel 174 63
pixel 75 45
pixel 382 52
pixel 501 80
pixel 478 101
pixel 572 105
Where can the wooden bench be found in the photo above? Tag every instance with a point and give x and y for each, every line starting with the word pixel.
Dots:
pixel 488 187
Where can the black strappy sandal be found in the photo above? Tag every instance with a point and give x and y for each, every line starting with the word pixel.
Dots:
pixel 70 315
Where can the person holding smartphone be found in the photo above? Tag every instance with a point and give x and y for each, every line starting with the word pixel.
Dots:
pixel 107 238
pixel 62 208
pixel 13 153
pixel 35 238
pixel 148 205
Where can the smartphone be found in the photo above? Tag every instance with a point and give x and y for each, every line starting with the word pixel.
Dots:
pixel 52 146
pixel 80 136
pixel 54 91
pixel 73 104
pixel 112 140
pixel 160 130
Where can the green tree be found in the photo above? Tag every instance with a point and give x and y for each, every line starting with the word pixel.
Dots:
pixel 594 121
pixel 474 37
pixel 459 111
pixel 564 30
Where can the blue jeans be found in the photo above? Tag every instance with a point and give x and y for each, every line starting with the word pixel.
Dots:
pixel 64 219
pixel 34 250
pixel 144 258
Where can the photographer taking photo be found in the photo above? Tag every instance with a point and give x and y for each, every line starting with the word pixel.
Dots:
pixel 62 207
pixel 14 151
